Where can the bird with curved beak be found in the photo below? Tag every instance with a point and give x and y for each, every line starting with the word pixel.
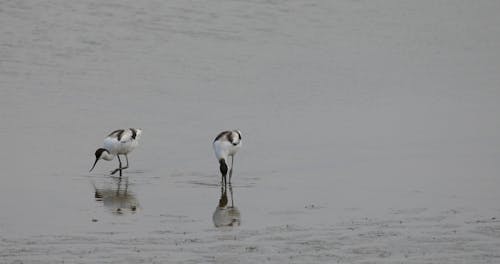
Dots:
pixel 118 142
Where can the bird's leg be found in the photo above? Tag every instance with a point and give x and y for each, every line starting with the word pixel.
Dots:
pixel 126 167
pixel 231 170
pixel 119 166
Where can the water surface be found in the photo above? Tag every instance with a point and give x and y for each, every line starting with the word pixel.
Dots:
pixel 370 129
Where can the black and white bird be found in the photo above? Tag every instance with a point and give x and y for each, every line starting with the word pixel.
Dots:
pixel 226 144
pixel 119 142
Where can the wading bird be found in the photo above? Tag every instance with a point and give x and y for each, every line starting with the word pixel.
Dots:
pixel 226 144
pixel 119 142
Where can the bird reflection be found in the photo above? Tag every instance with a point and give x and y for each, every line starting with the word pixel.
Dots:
pixel 226 214
pixel 119 200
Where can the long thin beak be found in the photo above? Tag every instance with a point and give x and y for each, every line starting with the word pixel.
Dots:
pixel 94 165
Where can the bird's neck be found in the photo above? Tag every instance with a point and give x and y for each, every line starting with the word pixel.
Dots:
pixel 107 156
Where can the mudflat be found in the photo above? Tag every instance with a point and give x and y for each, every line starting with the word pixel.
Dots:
pixel 370 131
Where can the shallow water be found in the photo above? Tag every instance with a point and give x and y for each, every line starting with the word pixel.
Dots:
pixel 370 129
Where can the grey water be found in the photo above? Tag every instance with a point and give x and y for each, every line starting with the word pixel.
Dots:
pixel 370 131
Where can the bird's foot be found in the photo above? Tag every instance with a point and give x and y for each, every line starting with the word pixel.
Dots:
pixel 117 170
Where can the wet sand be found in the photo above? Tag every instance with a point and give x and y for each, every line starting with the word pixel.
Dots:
pixel 370 131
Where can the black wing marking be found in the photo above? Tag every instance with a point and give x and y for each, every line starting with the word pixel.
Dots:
pixel 134 132
pixel 221 134
pixel 118 133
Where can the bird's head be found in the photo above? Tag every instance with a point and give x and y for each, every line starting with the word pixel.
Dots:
pixel 101 153
pixel 235 137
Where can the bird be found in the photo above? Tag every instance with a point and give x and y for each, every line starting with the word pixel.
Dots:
pixel 118 142
pixel 225 145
